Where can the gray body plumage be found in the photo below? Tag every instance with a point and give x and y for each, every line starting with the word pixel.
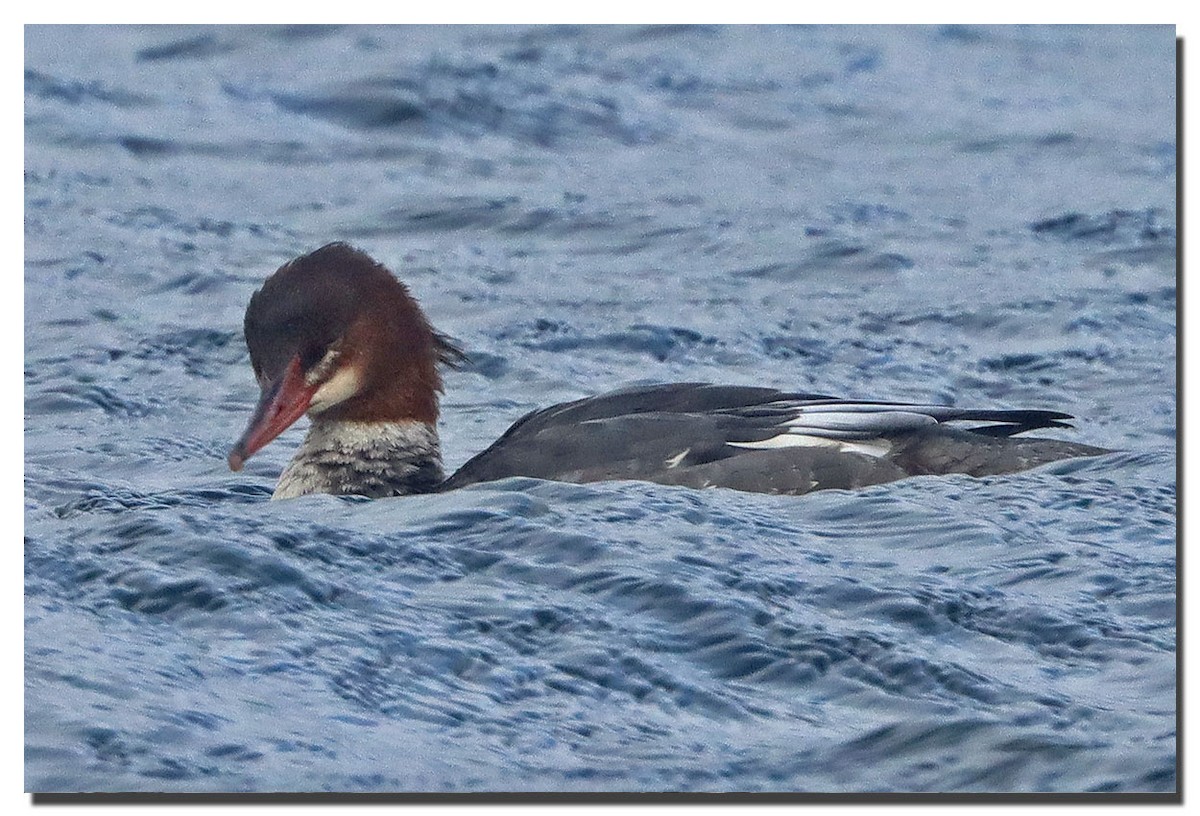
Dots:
pixel 761 440
pixel 693 435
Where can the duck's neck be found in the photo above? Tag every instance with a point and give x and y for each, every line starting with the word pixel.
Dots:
pixel 375 459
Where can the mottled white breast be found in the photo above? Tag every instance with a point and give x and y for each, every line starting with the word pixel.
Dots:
pixel 365 459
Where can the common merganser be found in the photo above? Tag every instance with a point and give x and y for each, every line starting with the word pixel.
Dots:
pixel 333 334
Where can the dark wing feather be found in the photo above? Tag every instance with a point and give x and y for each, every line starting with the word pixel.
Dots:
pixel 617 435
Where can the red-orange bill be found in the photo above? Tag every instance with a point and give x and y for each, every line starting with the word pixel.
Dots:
pixel 281 404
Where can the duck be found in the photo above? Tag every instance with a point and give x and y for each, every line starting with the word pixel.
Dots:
pixel 334 335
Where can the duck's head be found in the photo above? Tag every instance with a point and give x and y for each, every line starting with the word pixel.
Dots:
pixel 334 335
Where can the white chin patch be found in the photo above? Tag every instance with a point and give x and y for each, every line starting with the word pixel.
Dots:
pixel 343 385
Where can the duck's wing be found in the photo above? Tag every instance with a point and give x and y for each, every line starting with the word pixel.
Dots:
pixel 658 432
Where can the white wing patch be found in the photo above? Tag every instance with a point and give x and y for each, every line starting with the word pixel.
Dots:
pixel 674 461
pixel 848 428
pixel 868 447
pixel 860 422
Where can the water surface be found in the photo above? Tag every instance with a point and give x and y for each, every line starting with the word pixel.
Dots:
pixel 975 216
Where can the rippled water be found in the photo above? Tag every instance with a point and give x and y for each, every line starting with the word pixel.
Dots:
pixel 965 215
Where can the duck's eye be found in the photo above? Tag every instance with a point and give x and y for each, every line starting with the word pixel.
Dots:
pixel 311 355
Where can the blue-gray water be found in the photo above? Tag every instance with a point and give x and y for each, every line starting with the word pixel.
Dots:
pixel 963 215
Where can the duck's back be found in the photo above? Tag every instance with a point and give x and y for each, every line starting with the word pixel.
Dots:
pixel 760 440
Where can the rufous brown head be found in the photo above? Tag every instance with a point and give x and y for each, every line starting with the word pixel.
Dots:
pixel 334 334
